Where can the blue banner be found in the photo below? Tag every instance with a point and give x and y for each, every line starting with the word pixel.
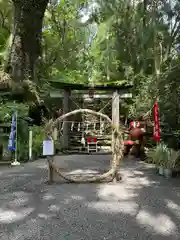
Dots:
pixel 12 136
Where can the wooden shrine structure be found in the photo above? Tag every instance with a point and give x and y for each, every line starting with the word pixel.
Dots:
pixel 67 91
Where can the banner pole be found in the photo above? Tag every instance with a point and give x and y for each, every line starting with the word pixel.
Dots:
pixel 30 143
pixel 16 163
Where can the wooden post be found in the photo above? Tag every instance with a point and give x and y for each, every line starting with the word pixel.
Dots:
pixel 66 101
pixel 50 171
pixel 115 122
pixel 55 133
pixel 115 111
pixel 30 143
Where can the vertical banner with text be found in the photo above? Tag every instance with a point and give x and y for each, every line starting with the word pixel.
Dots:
pixel 12 136
pixel 156 134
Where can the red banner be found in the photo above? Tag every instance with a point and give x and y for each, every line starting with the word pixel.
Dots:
pixel 156 135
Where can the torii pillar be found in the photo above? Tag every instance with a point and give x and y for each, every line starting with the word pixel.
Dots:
pixel 115 109
pixel 66 101
pixel 115 112
pixel 115 122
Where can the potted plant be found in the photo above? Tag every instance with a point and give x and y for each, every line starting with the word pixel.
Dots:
pixel 152 156
pixel 170 162
pixel 163 155
pixel 158 155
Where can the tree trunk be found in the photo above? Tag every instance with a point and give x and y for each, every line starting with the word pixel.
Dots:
pixel 26 43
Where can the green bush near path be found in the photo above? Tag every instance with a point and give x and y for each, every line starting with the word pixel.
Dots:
pixel 165 158
pixel 6 111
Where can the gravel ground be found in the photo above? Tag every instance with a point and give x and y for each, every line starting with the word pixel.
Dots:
pixel 143 206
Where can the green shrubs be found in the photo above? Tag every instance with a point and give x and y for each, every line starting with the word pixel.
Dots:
pixel 165 159
pixel 6 111
pixel 38 137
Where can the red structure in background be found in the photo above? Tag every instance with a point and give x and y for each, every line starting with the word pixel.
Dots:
pixel 92 144
pixel 90 140
pixel 135 137
pixel 156 135
pixel 128 142
pixel 134 133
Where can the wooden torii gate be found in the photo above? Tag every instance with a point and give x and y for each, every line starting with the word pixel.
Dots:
pixel 65 92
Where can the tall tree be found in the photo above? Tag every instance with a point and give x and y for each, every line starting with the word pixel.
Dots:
pixel 5 29
pixel 65 43
pixel 26 41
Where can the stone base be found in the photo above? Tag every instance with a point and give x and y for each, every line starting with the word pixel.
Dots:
pixel 53 176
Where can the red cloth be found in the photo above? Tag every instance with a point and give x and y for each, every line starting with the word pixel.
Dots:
pixel 89 140
pixel 128 142
pixel 156 135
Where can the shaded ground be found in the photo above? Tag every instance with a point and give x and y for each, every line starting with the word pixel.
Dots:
pixel 143 206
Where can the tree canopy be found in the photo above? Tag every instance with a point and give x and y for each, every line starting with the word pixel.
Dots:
pixel 102 41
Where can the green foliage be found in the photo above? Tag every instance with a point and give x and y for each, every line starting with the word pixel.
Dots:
pixel 5 29
pixel 172 158
pixel 6 112
pixel 163 156
pixel 143 99
pixel 7 109
pixel 122 42
pixel 38 138
pixel 136 42
pixel 64 42
pixel 158 154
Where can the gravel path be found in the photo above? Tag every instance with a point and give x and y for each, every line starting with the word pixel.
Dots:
pixel 143 206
